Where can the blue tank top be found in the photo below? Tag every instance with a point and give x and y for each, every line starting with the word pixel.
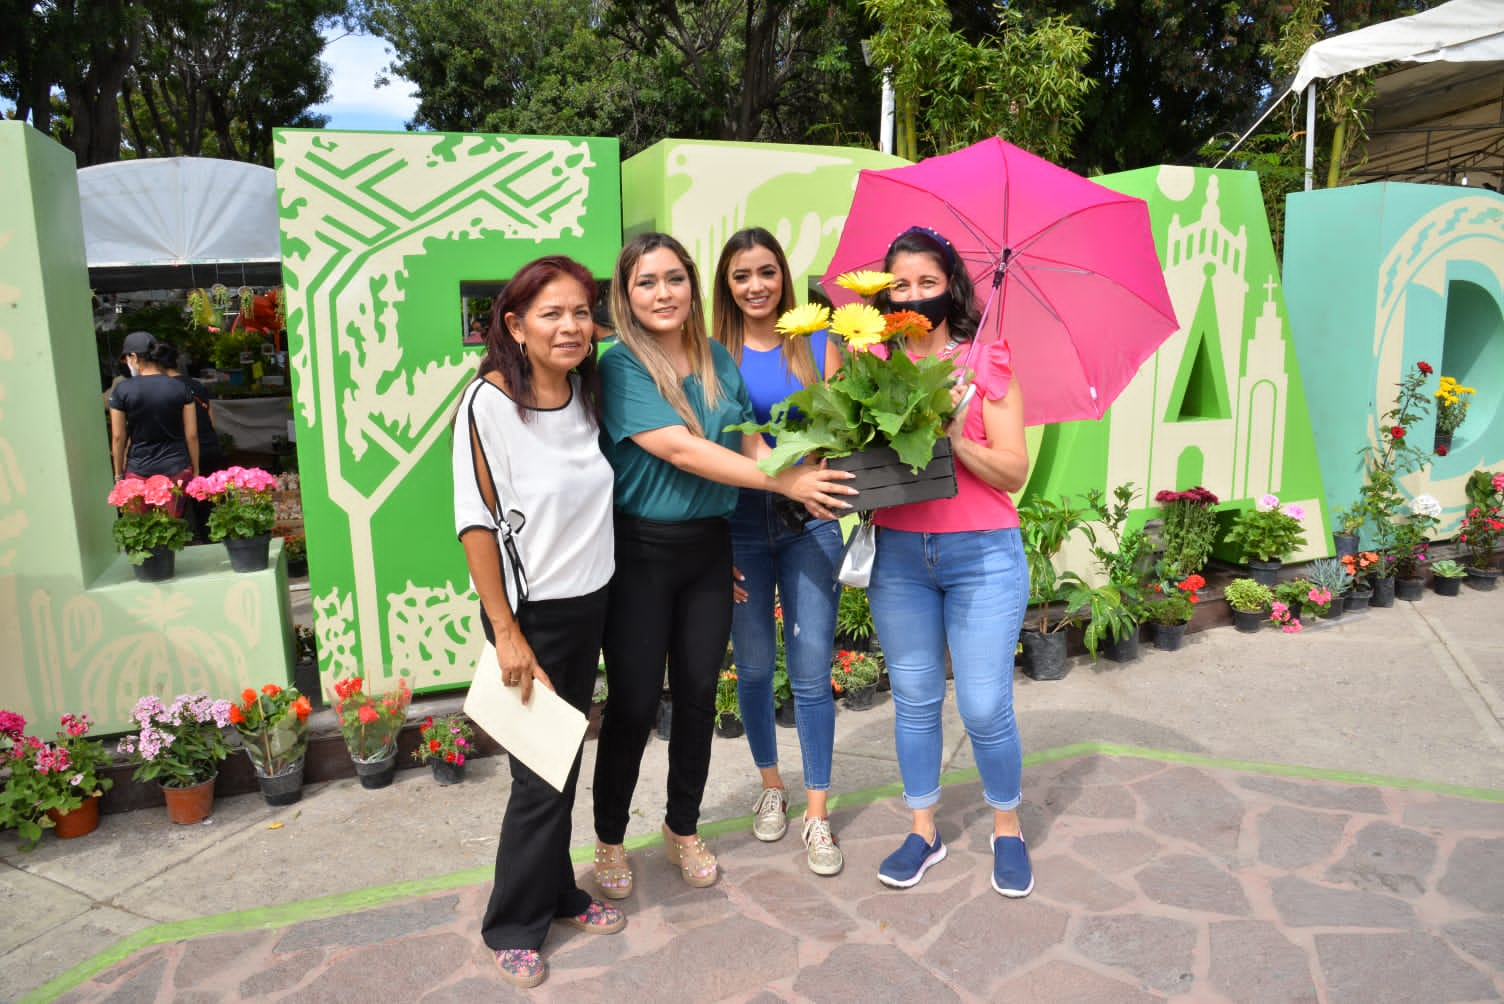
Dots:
pixel 769 381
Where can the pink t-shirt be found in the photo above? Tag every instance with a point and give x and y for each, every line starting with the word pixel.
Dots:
pixel 976 504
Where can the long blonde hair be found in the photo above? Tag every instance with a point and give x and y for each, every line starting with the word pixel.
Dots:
pixel 730 322
pixel 646 348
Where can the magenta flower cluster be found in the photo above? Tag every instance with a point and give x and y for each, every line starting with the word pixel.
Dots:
pixel 213 486
pixel 1197 496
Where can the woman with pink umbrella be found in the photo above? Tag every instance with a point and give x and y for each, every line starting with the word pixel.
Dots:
pixel 951 573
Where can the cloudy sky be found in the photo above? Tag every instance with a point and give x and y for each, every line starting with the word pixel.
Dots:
pixel 355 100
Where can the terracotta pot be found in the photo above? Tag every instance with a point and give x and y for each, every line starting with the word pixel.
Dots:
pixel 193 804
pixel 82 820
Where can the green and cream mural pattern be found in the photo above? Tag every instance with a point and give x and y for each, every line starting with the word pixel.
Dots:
pixel 1381 277
pixel 379 231
pixel 78 632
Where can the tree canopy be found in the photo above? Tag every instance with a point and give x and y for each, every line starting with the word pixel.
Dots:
pixel 165 77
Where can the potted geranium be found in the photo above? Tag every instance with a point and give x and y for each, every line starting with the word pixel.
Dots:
pixel 854 675
pixel 295 546
pixel 370 723
pixel 728 711
pixel 1170 610
pixel 179 746
pixel 1446 577
pixel 1249 601
pixel 445 744
pixel 146 529
pixel 1266 535
pixel 273 727
pixel 1480 535
pixel 1451 410
pixel 243 513
pixel 1190 529
pixel 53 784
pixel 880 410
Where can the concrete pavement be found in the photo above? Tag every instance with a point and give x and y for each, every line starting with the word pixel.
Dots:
pixel 1298 817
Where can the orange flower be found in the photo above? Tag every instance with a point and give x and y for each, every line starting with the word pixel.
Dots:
pixel 271 690
pixel 236 715
pixel 248 696
pixel 367 714
pixel 905 324
pixel 302 708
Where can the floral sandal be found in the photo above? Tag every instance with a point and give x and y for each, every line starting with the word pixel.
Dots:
pixel 598 918
pixel 613 876
pixel 521 967
pixel 698 866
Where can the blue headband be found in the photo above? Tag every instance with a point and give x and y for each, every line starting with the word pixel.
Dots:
pixel 943 246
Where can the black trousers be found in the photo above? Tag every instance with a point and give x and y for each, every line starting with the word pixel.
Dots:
pixel 670 602
pixel 534 880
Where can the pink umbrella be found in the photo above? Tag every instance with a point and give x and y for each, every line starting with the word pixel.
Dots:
pixel 1067 268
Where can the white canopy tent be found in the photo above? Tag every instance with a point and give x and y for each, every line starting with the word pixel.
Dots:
pixel 1440 118
pixel 179 223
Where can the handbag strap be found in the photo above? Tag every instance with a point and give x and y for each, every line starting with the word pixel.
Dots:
pixel 504 526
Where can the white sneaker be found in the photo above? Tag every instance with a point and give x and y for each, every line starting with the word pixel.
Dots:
pixel 825 858
pixel 771 815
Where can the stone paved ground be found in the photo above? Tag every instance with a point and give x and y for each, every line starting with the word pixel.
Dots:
pixel 1156 879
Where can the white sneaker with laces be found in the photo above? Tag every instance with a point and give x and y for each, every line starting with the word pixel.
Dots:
pixel 771 815
pixel 824 857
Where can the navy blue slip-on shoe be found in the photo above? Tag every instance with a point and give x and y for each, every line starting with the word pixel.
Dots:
pixel 1012 876
pixel 907 865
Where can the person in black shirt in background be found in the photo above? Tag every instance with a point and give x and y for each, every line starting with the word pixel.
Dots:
pixel 211 456
pixel 153 425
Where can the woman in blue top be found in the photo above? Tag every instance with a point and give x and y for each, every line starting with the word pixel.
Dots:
pixel 753 286
pixel 668 395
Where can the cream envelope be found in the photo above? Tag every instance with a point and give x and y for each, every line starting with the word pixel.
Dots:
pixel 544 733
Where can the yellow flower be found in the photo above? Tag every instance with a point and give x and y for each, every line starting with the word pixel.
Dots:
pixel 805 319
pixel 865 283
pixel 860 324
pixel 1464 390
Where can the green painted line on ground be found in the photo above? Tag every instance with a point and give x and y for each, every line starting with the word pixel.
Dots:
pixel 286 914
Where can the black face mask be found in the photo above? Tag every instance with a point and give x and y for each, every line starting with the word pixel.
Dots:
pixel 935 309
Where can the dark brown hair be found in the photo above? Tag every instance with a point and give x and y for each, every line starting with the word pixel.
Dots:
pixel 505 357
pixel 798 356
pixel 964 315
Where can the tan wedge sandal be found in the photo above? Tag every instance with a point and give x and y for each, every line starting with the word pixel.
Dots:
pixel 613 875
pixel 698 866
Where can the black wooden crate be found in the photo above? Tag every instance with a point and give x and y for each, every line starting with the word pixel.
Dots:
pixel 884 480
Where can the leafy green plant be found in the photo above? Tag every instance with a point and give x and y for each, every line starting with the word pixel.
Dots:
pixel 1101 610
pixel 1293 593
pixel 146 522
pixel 1247 595
pixel 1483 490
pixel 1330 574
pixel 1392 457
pixel 727 701
pixel 871 400
pixel 1123 556
pixel 1190 530
pixel 447 738
pixel 1268 532
pixel 242 498
pixel 1350 519
pixel 854 615
pixel 1045 526
pixel 273 727
pixel 47 776
pixel 179 744
pixel 1446 568
pixel 1172 602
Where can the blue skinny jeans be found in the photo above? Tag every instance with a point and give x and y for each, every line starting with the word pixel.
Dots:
pixel 801 567
pixel 966 591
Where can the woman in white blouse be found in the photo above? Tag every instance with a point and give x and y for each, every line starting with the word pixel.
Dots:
pixel 532 502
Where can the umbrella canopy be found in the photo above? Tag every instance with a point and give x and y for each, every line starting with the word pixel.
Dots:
pixel 1067 269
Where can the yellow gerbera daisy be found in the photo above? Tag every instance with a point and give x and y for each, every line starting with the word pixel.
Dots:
pixel 805 319
pixel 865 282
pixel 860 324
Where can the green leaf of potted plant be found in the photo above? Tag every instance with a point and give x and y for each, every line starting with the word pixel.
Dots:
pixel 146 529
pixel 445 744
pixel 1266 535
pixel 51 784
pixel 1103 611
pixel 1249 601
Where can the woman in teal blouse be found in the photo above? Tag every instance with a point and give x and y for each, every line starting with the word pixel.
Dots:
pixel 669 394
